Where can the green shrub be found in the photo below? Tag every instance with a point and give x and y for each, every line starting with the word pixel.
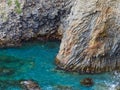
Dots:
pixel 18 10
pixel 18 7
pixel 9 2
pixel 17 3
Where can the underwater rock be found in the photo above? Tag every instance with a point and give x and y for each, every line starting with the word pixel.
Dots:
pixel 6 71
pixel 6 84
pixel 61 87
pixel 30 85
pixel 91 42
pixel 87 82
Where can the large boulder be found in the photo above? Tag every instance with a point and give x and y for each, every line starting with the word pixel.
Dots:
pixel 91 42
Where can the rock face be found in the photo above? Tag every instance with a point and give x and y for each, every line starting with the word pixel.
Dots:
pixel 22 20
pixel 91 42
pixel 91 39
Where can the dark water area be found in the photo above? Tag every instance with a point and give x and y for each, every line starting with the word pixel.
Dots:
pixel 35 61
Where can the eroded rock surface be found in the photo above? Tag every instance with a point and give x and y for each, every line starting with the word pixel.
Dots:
pixel 22 20
pixel 91 42
pixel 90 29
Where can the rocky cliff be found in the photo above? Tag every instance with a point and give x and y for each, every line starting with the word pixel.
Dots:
pixel 22 20
pixel 91 42
pixel 90 30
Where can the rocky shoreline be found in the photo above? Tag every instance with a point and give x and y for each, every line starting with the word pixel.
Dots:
pixel 89 30
pixel 91 43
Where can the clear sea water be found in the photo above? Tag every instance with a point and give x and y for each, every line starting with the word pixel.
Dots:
pixel 35 61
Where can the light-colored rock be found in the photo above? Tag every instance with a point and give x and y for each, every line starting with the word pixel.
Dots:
pixel 7 6
pixel 30 85
pixel 91 42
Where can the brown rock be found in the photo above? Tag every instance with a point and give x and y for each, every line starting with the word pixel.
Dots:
pixel 91 42
pixel 87 82
pixel 30 85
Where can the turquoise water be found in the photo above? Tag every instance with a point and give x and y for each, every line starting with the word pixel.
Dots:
pixel 35 61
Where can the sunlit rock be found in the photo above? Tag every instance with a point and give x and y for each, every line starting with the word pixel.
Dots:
pixel 30 85
pixel 6 71
pixel 91 42
pixel 61 87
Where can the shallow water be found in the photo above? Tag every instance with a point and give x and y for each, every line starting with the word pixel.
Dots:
pixel 35 61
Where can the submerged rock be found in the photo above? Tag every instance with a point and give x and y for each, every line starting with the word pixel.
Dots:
pixel 87 82
pixel 8 84
pixel 30 85
pixel 61 87
pixel 6 71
